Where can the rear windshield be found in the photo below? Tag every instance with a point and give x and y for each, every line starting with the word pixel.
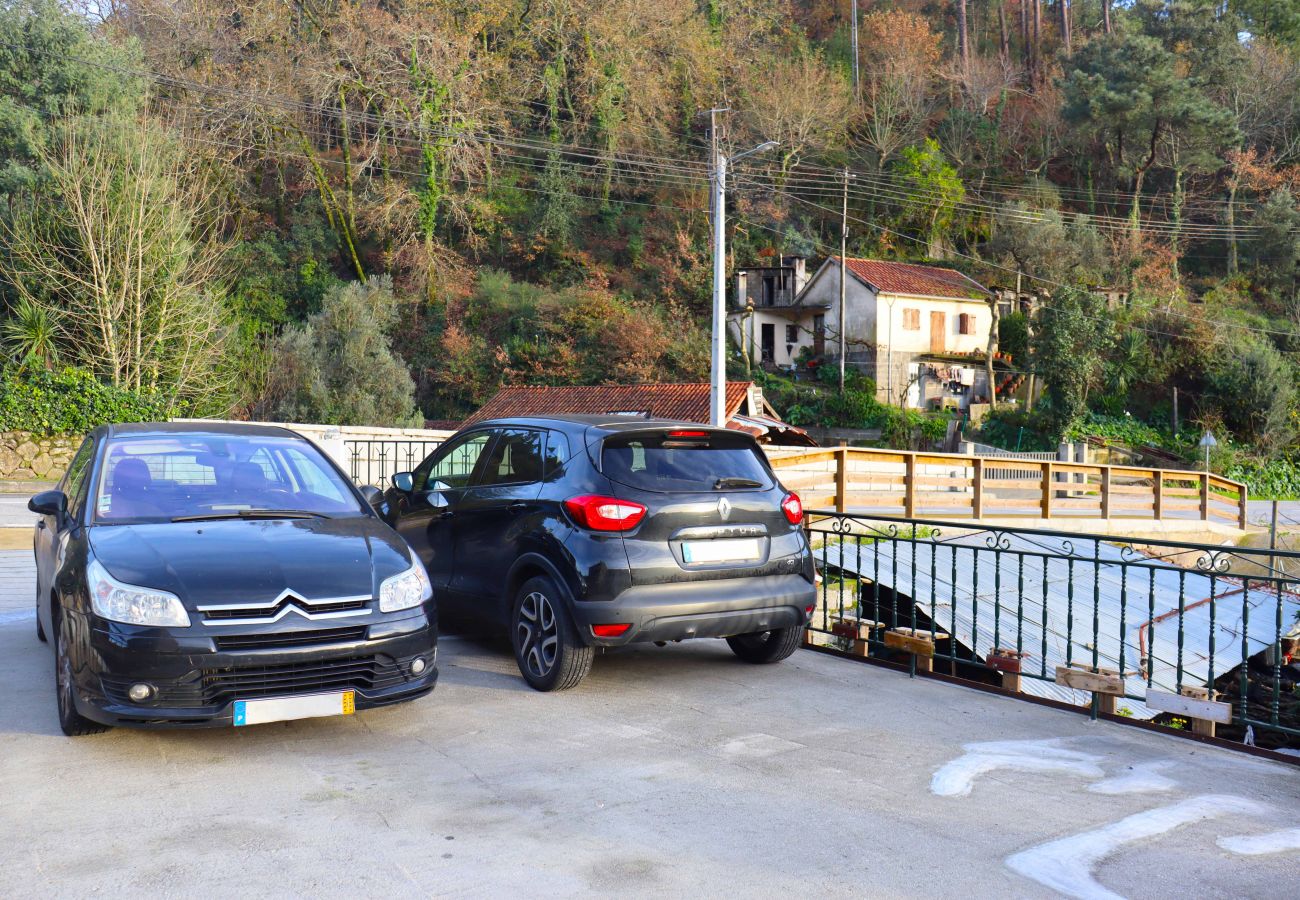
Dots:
pixel 680 461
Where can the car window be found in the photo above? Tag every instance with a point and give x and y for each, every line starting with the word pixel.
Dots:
pixel 75 479
pixel 453 464
pixel 557 454
pixel 516 458
pixel 148 478
pixel 684 460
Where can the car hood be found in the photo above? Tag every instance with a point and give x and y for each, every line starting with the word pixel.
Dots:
pixel 243 561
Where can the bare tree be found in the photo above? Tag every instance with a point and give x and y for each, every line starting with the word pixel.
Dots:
pixel 123 247
pixel 898 77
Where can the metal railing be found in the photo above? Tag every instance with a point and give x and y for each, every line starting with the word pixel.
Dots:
pixel 897 482
pixel 1153 625
pixel 377 461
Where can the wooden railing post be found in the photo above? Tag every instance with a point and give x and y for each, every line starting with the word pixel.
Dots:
pixel 842 478
pixel 1205 496
pixel 909 486
pixel 1241 506
pixel 1105 492
pixel 1047 490
pixel 977 497
pixel 1158 492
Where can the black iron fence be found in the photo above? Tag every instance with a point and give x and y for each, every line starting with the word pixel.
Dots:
pixel 377 461
pixel 1187 635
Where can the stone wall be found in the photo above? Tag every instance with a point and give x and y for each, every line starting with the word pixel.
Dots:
pixel 34 457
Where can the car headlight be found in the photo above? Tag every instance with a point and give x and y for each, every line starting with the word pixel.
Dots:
pixel 111 599
pixel 405 590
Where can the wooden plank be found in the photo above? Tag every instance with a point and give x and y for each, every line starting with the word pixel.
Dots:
pixel 854 626
pixel 1104 681
pixel 875 498
pixel 943 480
pixel 938 501
pixel 896 639
pixel 1106 495
pixel 841 478
pixel 977 498
pixel 1158 494
pixel 798 459
pixel 1142 490
pixel 1010 503
pixel 1193 708
pixel 909 496
pixel 1205 496
pixel 1046 498
pixel 1131 504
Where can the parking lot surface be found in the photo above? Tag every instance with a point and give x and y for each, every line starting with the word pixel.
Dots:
pixel 670 771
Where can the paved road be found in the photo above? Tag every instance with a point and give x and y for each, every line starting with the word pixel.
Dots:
pixel 14 511
pixel 670 772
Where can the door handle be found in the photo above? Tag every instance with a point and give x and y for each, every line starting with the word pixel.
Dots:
pixel 517 506
pixel 446 514
pixel 40 524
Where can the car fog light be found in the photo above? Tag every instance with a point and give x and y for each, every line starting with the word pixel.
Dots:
pixel 140 692
pixel 418 665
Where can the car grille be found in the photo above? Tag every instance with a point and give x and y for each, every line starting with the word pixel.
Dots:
pixel 273 640
pixel 266 612
pixel 214 687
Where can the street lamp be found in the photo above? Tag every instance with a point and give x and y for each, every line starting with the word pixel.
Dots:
pixel 1208 442
pixel 718 391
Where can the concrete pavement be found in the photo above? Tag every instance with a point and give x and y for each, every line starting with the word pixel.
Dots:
pixel 670 771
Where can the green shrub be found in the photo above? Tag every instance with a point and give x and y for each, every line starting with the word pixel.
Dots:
pixel 1274 479
pixel 69 401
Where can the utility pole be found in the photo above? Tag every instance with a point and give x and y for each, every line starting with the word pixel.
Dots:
pixel 718 394
pixel 844 241
pixel 718 387
pixel 857 83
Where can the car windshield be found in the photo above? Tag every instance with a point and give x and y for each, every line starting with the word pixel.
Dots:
pixel 684 460
pixel 153 478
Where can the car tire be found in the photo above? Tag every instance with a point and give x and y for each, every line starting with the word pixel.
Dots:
pixel 547 648
pixel 73 723
pixel 767 646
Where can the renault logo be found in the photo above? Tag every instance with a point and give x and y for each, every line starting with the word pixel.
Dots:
pixel 724 508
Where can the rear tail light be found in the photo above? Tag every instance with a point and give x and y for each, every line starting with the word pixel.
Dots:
pixel 605 513
pixel 688 434
pixel 611 631
pixel 793 508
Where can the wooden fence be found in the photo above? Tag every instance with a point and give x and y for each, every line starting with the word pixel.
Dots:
pixel 851 479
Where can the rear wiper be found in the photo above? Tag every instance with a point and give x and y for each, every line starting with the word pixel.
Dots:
pixel 733 482
pixel 252 514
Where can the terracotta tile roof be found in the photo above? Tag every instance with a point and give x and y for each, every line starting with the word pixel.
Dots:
pixel 687 402
pixel 909 278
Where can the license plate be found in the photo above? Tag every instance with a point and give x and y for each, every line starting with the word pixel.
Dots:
pixel 743 550
pixel 282 709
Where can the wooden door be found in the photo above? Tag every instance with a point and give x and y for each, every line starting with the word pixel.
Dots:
pixel 938 325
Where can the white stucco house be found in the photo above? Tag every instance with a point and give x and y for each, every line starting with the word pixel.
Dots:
pixel 920 331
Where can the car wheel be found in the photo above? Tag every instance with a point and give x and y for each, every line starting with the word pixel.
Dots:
pixel 767 646
pixel 547 648
pixel 72 722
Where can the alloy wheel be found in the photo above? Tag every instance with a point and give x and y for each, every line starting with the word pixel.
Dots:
pixel 537 634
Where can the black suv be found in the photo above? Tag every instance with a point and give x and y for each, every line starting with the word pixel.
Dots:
pixel 580 532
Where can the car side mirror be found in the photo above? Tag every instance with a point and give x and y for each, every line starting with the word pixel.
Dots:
pixel 49 503
pixel 404 482
pixel 375 497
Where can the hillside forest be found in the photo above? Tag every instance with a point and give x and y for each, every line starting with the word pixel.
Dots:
pixel 379 211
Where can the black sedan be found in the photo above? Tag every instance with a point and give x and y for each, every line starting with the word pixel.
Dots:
pixel 210 574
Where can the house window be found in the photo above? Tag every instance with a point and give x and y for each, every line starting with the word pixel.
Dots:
pixel 819 325
pixel 912 319
pixel 965 324
pixel 792 334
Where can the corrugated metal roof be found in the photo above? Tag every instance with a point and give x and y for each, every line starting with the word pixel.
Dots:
pixel 910 278
pixel 686 402
pixel 1126 597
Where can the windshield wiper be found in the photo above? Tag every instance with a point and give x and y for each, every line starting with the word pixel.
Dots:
pixel 252 514
pixel 734 482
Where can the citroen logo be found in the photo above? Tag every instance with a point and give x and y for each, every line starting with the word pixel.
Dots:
pixel 724 508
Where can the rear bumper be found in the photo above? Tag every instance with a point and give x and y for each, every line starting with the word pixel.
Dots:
pixel 199 689
pixel 716 608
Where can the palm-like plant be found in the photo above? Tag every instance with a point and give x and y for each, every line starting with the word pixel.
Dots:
pixel 31 335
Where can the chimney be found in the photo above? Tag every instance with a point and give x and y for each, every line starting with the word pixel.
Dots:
pixel 741 288
pixel 800 266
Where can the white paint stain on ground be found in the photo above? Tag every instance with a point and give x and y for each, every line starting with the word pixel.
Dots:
pixel 1261 844
pixel 757 746
pixel 1142 778
pixel 1066 865
pixel 957 778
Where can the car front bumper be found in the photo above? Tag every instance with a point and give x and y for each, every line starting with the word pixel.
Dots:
pixel 197 685
pixel 695 609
